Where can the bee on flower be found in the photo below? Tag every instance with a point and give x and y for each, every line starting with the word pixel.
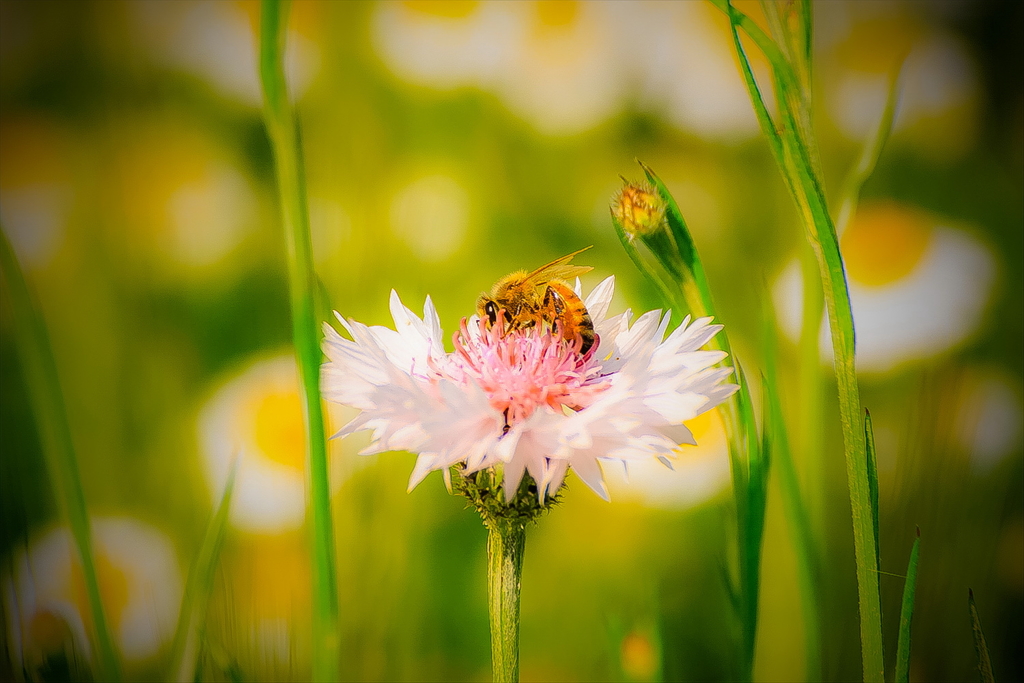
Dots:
pixel 535 385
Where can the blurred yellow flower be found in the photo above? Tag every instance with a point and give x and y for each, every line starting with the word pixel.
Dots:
pixel 639 656
pixel 36 189
pixel 918 286
pixel 266 598
pixel 257 416
pixel 140 584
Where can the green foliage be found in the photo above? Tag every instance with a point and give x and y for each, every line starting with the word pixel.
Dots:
pixel 484 492
pixel 679 274
pixel 980 648
pixel 907 615
pixel 282 128
pixel 793 499
pixel 191 628
pixel 51 418
pixel 795 152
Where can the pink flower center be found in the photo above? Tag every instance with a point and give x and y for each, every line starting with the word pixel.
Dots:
pixel 523 370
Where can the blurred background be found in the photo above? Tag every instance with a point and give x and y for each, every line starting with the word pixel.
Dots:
pixel 448 143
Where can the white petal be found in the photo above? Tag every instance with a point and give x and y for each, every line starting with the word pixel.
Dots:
pixel 599 299
pixel 589 471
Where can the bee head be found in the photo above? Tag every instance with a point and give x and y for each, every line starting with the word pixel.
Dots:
pixel 489 310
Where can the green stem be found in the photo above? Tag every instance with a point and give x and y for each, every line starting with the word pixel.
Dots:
pixel 46 397
pixel 812 392
pixel 795 156
pixel 506 541
pixel 283 131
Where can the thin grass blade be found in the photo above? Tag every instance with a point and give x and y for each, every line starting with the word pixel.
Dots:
pixel 797 163
pixel 47 400
pixel 188 634
pixel 283 131
pixel 907 615
pixel 872 478
pixel 868 158
pixel 793 501
pixel 980 648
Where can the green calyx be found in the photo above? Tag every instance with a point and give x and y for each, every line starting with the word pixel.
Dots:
pixel 485 492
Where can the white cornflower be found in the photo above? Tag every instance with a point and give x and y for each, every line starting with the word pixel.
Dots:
pixel 527 400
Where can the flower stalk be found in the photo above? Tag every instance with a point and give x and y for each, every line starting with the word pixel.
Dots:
pixel 506 542
pixel 648 213
pixel 283 131
pixel 506 523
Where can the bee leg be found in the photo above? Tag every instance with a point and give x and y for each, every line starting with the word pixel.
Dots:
pixel 553 301
pixel 504 430
pixel 554 306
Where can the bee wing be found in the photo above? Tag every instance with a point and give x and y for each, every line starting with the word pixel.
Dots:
pixel 559 269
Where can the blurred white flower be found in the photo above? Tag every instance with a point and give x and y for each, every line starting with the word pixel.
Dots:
pixel 140 585
pixel 257 416
pixel 988 423
pixel 554 62
pixel 918 287
pixel 36 189
pixel 564 74
pixel 527 400
pixel 690 71
pixel 939 87
pixel 446 44
pixel 431 215
pixel 567 66
pixel 218 41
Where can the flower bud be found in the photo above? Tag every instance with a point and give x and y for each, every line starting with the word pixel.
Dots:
pixel 638 208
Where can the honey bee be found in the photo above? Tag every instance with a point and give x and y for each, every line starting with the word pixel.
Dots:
pixel 541 297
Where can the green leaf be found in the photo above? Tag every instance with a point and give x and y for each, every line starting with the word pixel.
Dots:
pixel 869 439
pixel 793 146
pixel 906 615
pixel 188 635
pixel 50 412
pixel 283 130
pixel 671 295
pixel 980 648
